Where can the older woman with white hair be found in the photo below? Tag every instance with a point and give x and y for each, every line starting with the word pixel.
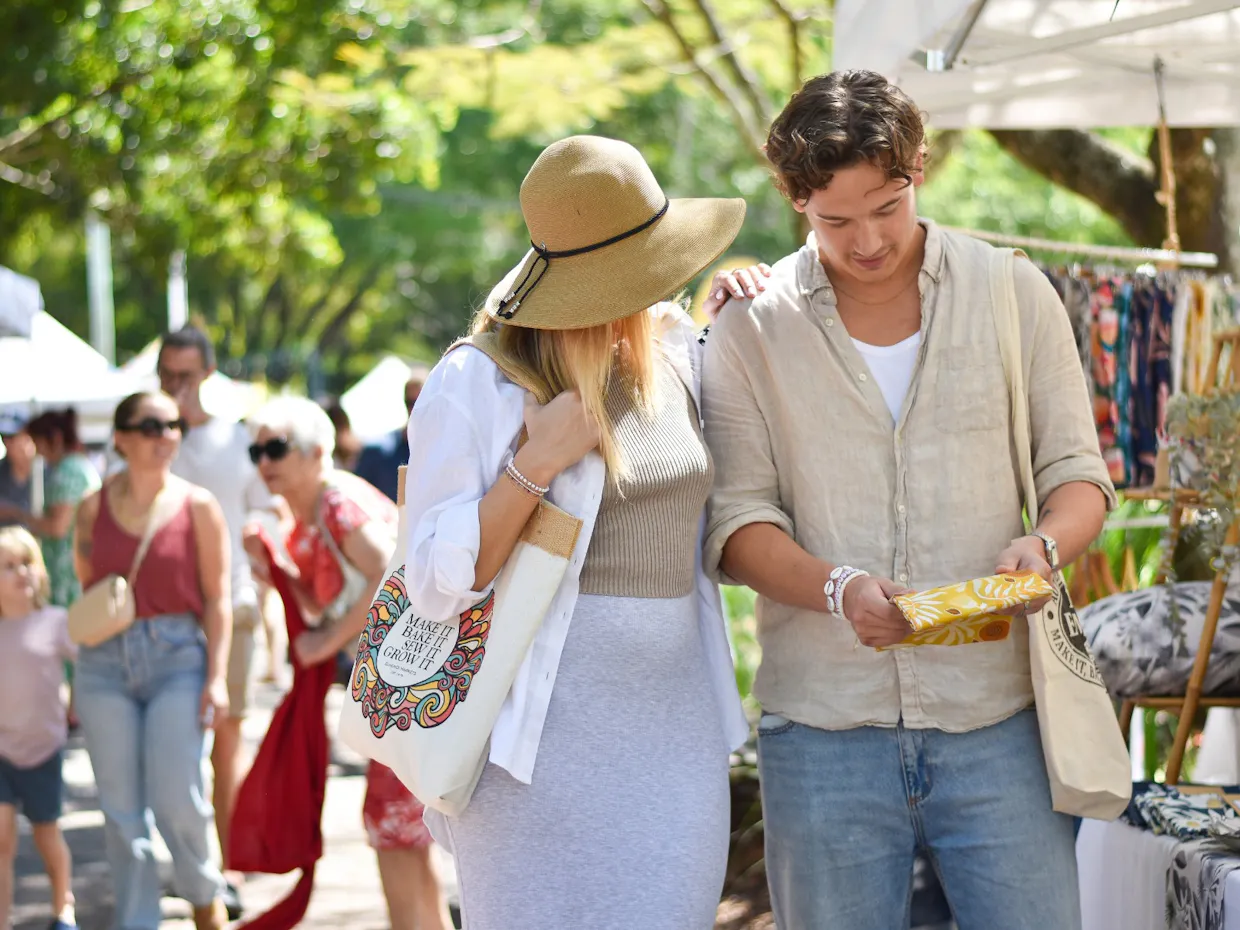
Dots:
pixel 343 534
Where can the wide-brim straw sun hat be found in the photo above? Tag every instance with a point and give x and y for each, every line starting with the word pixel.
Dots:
pixel 606 241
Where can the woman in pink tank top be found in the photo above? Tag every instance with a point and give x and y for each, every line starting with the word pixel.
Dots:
pixel 147 695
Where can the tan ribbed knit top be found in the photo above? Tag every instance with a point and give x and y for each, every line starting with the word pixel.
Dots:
pixel 645 538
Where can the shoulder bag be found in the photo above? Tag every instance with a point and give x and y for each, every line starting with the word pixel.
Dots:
pixel 1086 759
pixel 406 705
pixel 108 608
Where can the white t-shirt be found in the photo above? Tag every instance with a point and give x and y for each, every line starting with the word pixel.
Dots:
pixel 892 368
pixel 216 456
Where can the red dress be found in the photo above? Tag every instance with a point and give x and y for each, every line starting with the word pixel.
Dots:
pixel 392 815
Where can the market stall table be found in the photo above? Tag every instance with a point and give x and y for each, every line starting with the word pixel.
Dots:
pixel 1123 878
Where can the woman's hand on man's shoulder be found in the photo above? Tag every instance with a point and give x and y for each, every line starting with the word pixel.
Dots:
pixel 735 284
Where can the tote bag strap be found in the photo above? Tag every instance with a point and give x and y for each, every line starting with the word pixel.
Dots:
pixel 155 520
pixel 514 370
pixel 1007 325
pixel 549 527
pixel 320 523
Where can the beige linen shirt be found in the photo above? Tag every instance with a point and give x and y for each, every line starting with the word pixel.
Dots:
pixel 803 439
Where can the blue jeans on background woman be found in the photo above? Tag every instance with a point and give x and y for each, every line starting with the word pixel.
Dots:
pixel 138 698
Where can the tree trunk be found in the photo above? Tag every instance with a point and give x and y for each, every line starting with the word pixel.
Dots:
pixel 1198 174
pixel 1228 155
pixel 1207 168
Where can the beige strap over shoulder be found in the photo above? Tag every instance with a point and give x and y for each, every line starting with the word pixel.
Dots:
pixel 163 508
pixel 514 370
pixel 1007 323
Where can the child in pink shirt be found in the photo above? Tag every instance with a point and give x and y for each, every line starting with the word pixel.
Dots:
pixel 34 644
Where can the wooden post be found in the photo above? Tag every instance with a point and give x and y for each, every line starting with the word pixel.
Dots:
pixel 1166 196
pixel 1192 697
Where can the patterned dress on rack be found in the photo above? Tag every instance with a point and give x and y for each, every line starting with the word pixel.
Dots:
pixel 1142 402
pixel 1105 345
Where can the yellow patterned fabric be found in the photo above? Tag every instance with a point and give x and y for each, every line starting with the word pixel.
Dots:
pixel 959 614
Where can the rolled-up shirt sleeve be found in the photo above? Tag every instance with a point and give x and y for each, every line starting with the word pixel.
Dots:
pixel 449 472
pixel 1065 439
pixel 746 488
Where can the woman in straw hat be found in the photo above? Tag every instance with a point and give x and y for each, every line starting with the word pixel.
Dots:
pixel 605 803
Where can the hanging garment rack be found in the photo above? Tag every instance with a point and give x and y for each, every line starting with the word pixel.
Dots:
pixel 1112 252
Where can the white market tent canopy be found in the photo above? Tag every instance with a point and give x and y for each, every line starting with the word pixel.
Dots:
pixel 20 300
pixel 54 368
pixel 1031 64
pixel 376 403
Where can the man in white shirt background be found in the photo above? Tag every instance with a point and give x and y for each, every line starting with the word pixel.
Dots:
pixel 215 455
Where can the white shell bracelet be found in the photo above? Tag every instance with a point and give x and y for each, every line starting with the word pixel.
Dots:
pixel 837 582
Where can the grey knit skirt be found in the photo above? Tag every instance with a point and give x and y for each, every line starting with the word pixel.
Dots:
pixel 625 824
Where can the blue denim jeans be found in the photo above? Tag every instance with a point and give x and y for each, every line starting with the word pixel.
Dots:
pixel 846 811
pixel 138 697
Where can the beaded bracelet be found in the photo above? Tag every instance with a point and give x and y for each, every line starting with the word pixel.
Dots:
pixel 837 582
pixel 524 483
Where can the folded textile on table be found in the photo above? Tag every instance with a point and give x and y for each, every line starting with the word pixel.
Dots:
pixel 1187 817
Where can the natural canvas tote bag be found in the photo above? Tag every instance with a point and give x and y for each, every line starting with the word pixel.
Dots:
pixel 1086 759
pixel 407 704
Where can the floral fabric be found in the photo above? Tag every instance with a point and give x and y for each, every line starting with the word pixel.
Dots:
pixel 1138 652
pixel 1169 812
pixel 959 614
pixel 393 816
pixel 348 503
pixel 1196 882
pixel 67 483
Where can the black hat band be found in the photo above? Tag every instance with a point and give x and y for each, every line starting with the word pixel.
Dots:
pixel 509 306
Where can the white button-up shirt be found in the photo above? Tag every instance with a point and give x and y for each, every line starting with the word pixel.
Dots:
pixel 463 430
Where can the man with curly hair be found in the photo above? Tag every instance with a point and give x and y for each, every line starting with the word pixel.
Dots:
pixel 859 417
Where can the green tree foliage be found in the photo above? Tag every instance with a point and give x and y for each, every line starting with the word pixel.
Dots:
pixel 234 129
pixel 980 186
pixel 343 175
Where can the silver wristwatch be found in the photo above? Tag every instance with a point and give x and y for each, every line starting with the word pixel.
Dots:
pixel 1052 549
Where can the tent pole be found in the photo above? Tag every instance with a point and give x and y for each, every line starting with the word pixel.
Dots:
pixel 944 59
pixel 1166 195
pixel 1088 35
pixel 178 291
pixel 1086 250
pixel 99 286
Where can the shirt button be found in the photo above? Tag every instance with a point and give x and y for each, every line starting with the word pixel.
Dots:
pixel 903 576
pixel 830 321
pixel 863 377
pixel 900 508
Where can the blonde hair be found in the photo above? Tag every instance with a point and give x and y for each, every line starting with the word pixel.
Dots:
pixel 19 541
pixel 585 361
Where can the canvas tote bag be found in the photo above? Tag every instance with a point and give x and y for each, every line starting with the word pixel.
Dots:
pixel 107 608
pixel 1086 759
pixel 407 704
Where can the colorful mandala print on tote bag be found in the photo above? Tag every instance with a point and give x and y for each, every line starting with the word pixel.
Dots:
pixel 413 670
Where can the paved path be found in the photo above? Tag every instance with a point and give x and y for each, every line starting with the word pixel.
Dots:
pixel 346 896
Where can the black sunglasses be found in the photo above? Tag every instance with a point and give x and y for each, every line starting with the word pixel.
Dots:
pixel 154 428
pixel 274 449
